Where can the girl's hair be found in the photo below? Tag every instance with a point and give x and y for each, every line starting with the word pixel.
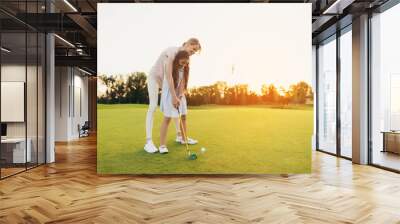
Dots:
pixel 193 41
pixel 175 68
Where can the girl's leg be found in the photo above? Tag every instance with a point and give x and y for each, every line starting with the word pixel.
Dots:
pixel 163 132
pixel 152 88
pixel 177 127
pixel 183 128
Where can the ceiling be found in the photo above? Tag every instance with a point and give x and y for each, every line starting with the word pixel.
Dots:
pixel 75 21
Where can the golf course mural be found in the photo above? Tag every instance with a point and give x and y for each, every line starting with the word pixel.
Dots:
pixel 213 94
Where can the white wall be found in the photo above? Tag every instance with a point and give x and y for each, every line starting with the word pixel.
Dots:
pixel 79 112
pixel 13 73
pixel 34 125
pixel 62 82
pixel 12 101
pixel 82 82
pixel 70 83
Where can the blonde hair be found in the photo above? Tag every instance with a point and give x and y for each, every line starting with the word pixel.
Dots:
pixel 193 41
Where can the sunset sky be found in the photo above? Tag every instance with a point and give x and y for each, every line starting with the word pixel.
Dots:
pixel 256 39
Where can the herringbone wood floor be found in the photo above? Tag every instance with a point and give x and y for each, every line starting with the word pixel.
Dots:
pixel 70 191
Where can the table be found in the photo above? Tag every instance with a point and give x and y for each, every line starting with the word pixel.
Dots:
pixel 16 147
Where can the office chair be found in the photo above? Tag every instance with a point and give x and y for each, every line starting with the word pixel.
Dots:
pixel 84 130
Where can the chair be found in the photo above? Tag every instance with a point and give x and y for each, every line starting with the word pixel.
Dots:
pixel 84 130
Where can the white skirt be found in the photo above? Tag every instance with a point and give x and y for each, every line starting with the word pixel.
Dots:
pixel 166 106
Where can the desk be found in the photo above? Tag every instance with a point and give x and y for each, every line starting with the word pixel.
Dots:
pixel 391 141
pixel 16 148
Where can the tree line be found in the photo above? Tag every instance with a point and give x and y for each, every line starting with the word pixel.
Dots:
pixel 133 89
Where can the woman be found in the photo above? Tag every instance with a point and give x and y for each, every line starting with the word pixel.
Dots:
pixel 163 67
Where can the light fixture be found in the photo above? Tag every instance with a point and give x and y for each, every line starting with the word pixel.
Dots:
pixel 79 51
pixel 338 6
pixel 5 50
pixel 86 72
pixel 64 40
pixel 70 5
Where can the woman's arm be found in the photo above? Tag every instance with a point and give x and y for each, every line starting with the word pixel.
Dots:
pixel 170 80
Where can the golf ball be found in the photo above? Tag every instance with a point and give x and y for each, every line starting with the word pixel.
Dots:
pixel 203 150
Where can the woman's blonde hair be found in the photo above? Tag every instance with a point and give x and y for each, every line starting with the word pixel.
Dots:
pixel 193 41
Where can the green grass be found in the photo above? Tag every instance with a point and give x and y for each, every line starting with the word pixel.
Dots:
pixel 238 139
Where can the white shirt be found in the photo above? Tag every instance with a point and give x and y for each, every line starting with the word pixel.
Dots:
pixel 158 69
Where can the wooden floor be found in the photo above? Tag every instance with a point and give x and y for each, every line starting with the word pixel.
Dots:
pixel 387 159
pixel 70 191
pixel 5 172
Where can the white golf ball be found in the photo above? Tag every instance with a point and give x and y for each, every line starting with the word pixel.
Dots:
pixel 203 150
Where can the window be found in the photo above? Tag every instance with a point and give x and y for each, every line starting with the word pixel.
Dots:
pixel 346 93
pixel 327 96
pixel 395 102
pixel 23 76
pixel 385 89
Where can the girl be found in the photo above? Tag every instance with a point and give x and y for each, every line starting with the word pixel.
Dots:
pixel 180 76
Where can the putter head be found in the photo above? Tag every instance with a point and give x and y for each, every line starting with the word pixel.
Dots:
pixel 192 156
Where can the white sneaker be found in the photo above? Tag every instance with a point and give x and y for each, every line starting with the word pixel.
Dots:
pixel 150 147
pixel 163 149
pixel 182 141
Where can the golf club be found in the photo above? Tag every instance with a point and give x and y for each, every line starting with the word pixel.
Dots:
pixel 191 156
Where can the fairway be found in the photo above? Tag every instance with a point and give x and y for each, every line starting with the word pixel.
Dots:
pixel 238 139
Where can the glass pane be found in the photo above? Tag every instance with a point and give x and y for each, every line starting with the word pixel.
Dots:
pixel 23 82
pixel 41 98
pixel 13 86
pixel 327 97
pixel 31 98
pixel 314 78
pixel 346 94
pixel 386 89
pixel 394 102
